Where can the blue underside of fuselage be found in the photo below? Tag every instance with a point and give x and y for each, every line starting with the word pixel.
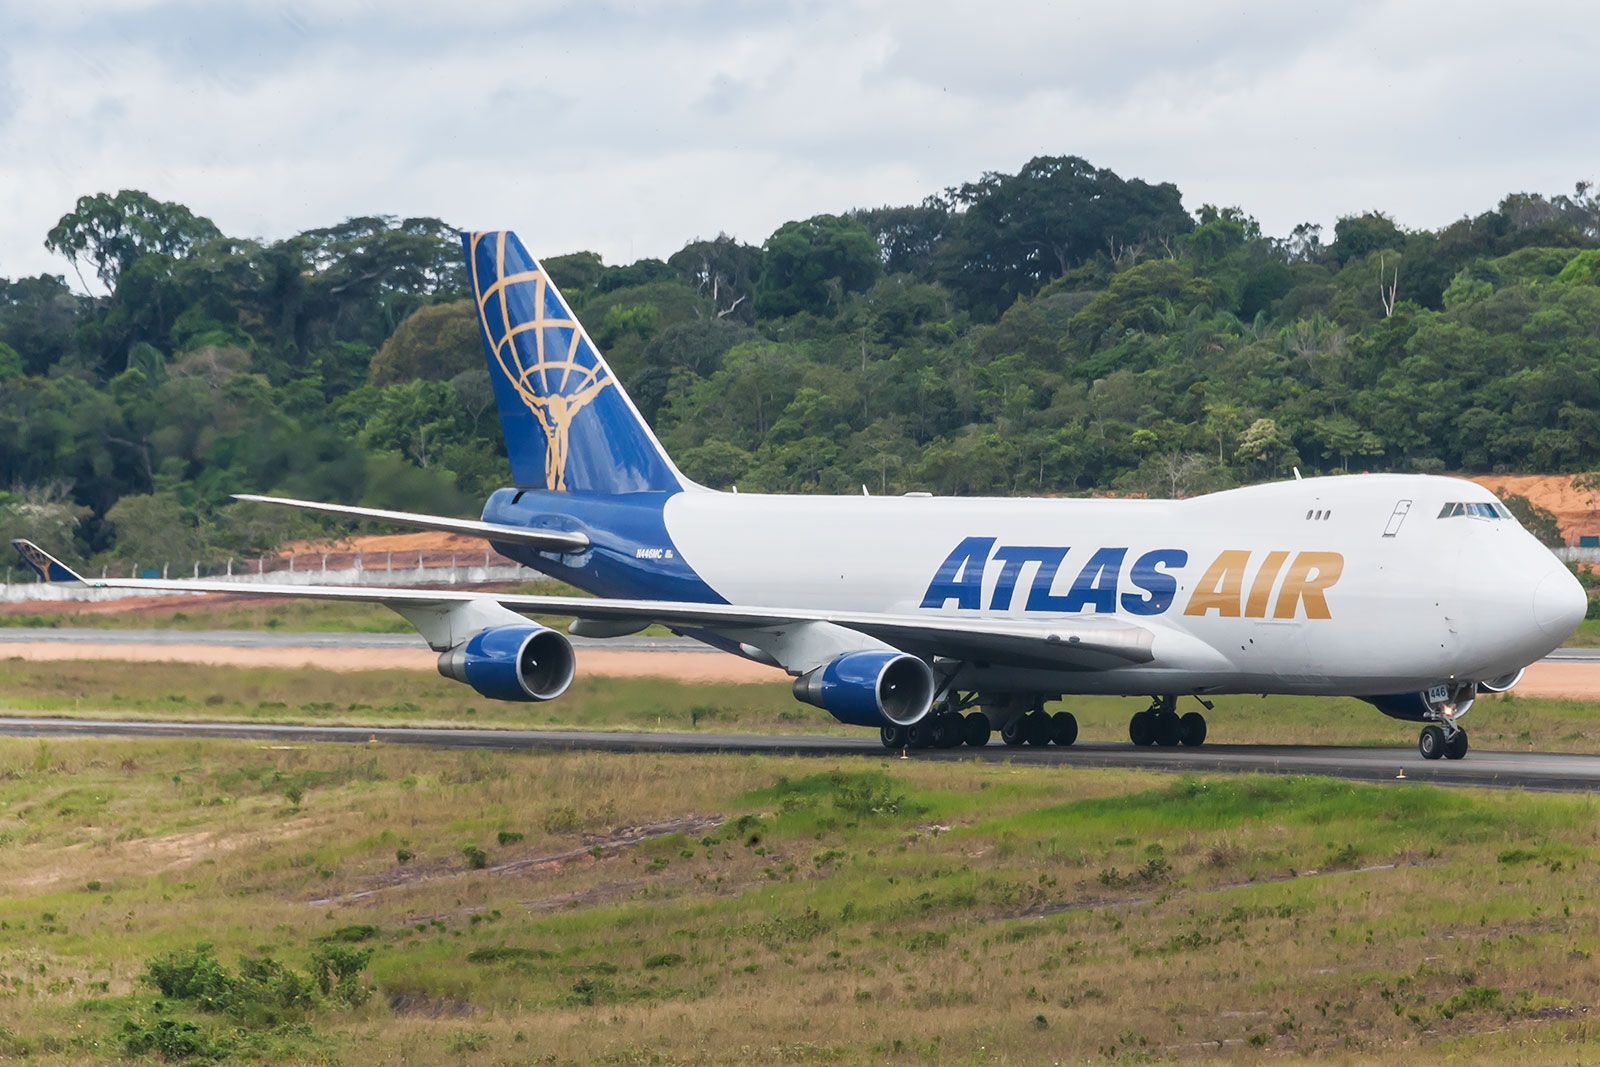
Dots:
pixel 630 556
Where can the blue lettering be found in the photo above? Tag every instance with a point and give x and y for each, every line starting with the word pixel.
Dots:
pixel 960 577
pixel 1014 557
pixel 1039 598
pixel 1097 582
pixel 1160 586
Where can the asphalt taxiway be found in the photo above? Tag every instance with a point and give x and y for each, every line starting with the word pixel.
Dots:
pixel 1520 770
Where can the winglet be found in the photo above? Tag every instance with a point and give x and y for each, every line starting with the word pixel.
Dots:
pixel 46 566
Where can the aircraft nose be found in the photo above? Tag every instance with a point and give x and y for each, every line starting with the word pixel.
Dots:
pixel 1559 603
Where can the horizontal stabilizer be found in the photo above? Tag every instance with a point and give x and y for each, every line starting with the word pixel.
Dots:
pixel 545 540
pixel 42 563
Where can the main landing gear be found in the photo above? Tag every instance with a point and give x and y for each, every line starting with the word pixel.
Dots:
pixel 1160 724
pixel 1038 729
pixel 1437 742
pixel 949 728
pixel 939 729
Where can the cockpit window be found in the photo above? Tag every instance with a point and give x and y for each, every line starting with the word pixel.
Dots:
pixel 1480 511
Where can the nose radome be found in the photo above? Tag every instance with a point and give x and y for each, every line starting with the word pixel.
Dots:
pixel 1559 603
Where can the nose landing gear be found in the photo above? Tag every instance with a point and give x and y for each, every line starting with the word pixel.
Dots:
pixel 1438 743
pixel 1444 738
pixel 1160 724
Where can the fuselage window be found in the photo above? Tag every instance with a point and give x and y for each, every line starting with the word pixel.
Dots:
pixel 1308 516
pixel 1327 514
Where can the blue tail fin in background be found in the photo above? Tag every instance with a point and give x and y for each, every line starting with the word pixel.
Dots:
pixel 567 422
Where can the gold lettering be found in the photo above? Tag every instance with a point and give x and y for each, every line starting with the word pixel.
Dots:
pixel 1221 585
pixel 1261 588
pixel 1308 579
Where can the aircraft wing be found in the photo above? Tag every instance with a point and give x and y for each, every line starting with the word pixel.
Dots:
pixel 546 540
pixel 1085 643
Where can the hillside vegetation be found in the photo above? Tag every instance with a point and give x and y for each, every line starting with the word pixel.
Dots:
pixel 1057 330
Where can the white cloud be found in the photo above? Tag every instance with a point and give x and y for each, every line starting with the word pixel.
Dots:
pixel 631 128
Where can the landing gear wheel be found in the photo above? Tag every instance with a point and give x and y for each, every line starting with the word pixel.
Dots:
pixel 949 729
pixel 1169 730
pixel 893 738
pixel 1063 728
pixel 1192 727
pixel 1036 725
pixel 977 729
pixel 1456 747
pixel 1013 732
pixel 920 733
pixel 1432 743
pixel 1142 728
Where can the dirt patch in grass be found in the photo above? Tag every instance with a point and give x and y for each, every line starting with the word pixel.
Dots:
pixel 595 847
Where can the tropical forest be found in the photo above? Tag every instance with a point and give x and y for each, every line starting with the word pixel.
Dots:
pixel 1061 330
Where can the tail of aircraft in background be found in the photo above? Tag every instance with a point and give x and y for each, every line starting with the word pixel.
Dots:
pixel 1411 592
pixel 568 424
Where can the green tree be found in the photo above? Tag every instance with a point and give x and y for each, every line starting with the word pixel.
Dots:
pixel 111 232
pixel 1017 232
pixel 416 419
pixel 155 529
pixel 810 265
pixel 436 343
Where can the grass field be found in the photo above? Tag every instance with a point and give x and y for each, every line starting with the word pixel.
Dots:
pixel 390 698
pixel 403 905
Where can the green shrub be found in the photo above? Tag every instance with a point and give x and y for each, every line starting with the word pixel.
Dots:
pixel 171 1039
pixel 508 837
pixel 195 975
pixel 337 971
pixel 561 820
pixel 476 857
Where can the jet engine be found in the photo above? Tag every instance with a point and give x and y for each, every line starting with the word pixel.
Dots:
pixel 520 663
pixel 870 688
pixel 1502 683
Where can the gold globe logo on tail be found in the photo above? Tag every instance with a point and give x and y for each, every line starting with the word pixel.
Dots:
pixel 34 557
pixel 555 371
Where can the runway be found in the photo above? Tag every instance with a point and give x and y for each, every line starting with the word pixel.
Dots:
pixel 1397 766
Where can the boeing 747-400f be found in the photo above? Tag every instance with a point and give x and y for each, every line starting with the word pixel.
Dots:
pixel 937 620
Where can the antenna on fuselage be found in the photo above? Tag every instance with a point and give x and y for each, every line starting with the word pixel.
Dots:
pixel 1296 473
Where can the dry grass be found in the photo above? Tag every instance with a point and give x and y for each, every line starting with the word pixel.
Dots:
pixel 837 911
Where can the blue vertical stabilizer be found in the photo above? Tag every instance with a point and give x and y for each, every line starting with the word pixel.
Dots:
pixel 567 422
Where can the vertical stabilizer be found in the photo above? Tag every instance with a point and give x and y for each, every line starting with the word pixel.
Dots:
pixel 568 424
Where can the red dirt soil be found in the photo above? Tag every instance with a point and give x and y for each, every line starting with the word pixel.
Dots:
pixel 1577 510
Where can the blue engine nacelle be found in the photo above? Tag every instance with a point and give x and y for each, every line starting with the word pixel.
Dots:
pixel 522 663
pixel 870 688
pixel 1431 705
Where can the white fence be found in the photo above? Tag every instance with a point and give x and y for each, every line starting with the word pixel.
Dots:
pixel 21 587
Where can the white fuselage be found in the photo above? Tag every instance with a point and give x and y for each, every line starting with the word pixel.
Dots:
pixel 1344 585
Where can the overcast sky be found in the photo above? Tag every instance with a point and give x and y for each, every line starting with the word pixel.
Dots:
pixel 631 128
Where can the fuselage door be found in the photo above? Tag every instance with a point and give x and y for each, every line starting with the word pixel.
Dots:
pixel 1401 510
